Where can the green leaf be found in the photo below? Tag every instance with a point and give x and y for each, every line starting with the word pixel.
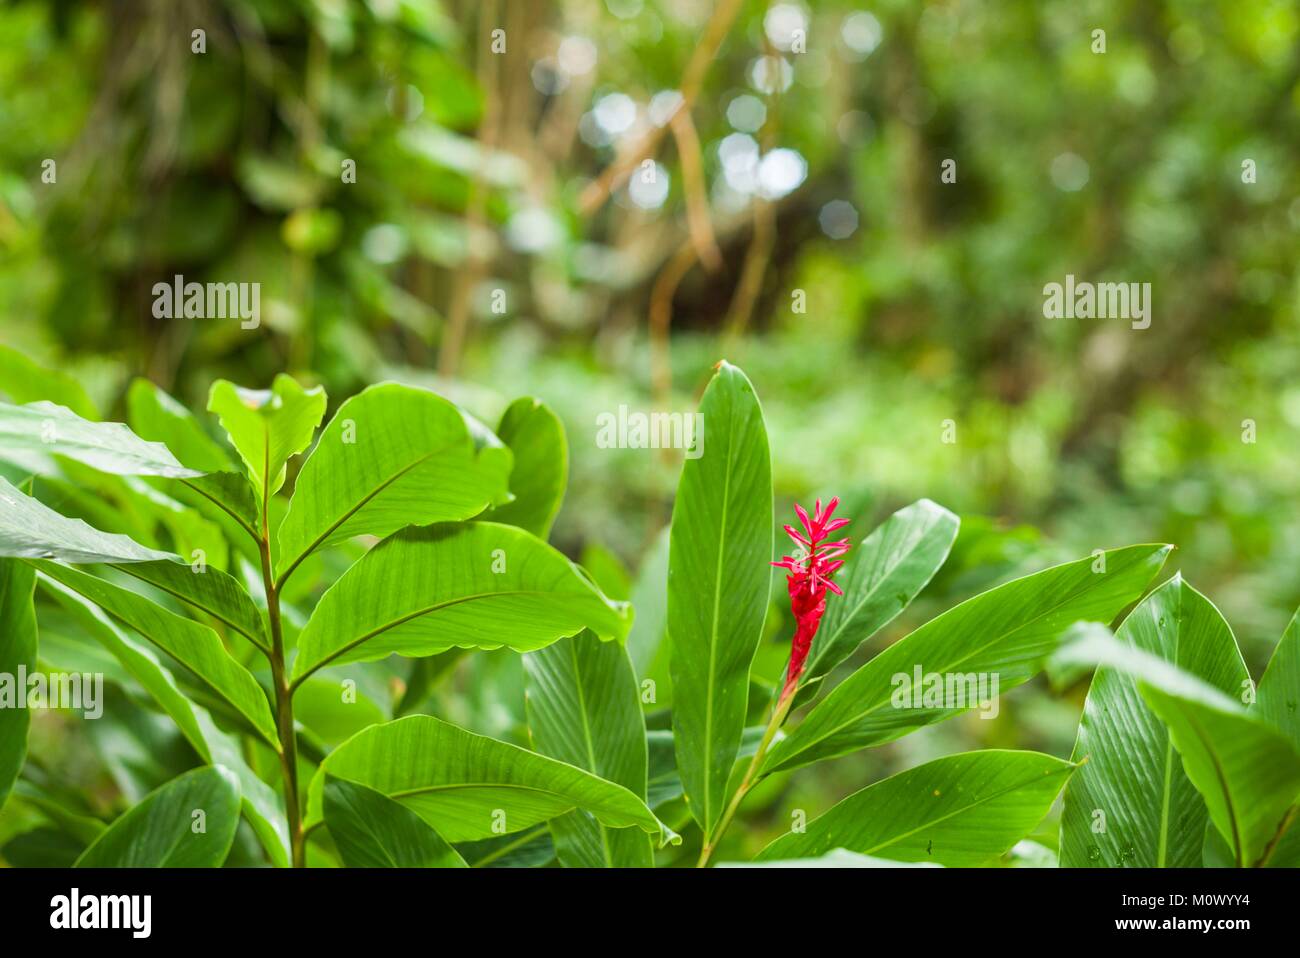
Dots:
pixel 29 529
pixel 211 591
pixel 166 829
pixel 230 494
pixel 65 810
pixel 473 585
pixel 17 652
pixel 156 416
pixel 1277 704
pixel 962 810
pixel 665 781
pixel 268 426
pixel 645 640
pixel 1247 772
pixel 1132 784
pixel 372 830
pixel 541 469
pixel 880 579
pixel 527 849
pixel 392 456
pixel 583 709
pixel 23 381
pixel 195 646
pixel 1278 699
pixel 31 434
pixel 1006 632
pixel 262 806
pixel 469 786
pixel 718 586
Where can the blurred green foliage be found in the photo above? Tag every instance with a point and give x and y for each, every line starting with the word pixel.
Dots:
pixel 923 298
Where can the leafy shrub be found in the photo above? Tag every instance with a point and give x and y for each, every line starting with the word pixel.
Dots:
pixel 253 619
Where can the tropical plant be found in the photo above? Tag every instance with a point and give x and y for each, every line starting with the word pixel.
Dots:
pixel 260 622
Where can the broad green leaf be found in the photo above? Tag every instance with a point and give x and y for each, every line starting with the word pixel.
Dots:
pixel 1130 805
pixel 541 468
pixel 124 514
pixel 69 812
pixel 1247 772
pixel 262 807
pixel 29 529
pixel 156 416
pixel 584 709
pixel 881 576
pixel 31 434
pixel 17 653
pixel 532 848
pixel 163 830
pixel 268 426
pixel 192 533
pixel 23 381
pixel 230 494
pixel 474 585
pixel 645 640
pixel 718 585
pixel 962 810
pixel 392 456
pixel 1278 703
pixel 665 781
pixel 194 645
pixel 1283 850
pixel 66 647
pixel 372 830
pixel 1005 633
pixel 469 786
pixel 1278 699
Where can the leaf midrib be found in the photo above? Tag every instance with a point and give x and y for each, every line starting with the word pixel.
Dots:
pixel 930 823
pixel 713 642
pixel 410 616
pixel 201 606
pixel 591 748
pixel 1220 776
pixel 1162 847
pixel 205 679
pixel 349 512
pixel 965 808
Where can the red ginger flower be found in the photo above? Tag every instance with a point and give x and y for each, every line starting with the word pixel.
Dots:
pixel 811 568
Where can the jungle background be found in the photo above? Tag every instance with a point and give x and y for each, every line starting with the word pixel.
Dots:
pixel 504 236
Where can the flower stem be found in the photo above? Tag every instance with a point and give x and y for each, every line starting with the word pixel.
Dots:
pixel 750 780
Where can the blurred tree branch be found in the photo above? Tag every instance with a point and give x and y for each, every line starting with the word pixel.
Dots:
pixel 598 191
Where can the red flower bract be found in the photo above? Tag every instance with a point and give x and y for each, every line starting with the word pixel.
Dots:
pixel 811 569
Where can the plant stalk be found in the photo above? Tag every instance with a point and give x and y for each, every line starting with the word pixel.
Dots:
pixel 750 780
pixel 283 710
